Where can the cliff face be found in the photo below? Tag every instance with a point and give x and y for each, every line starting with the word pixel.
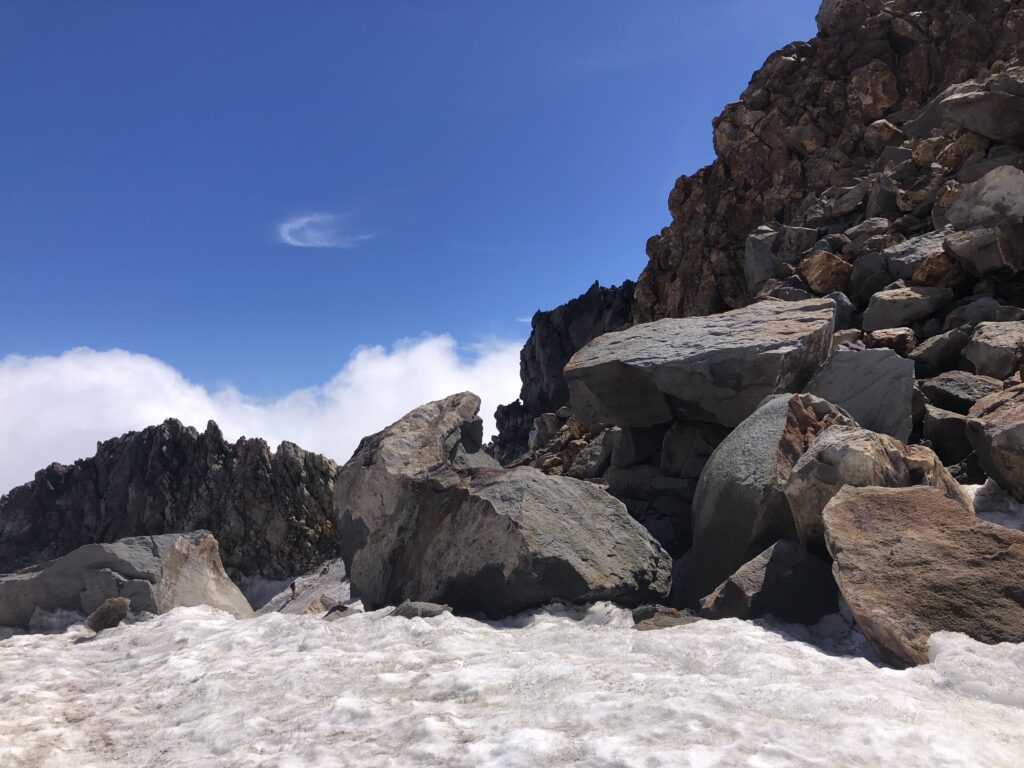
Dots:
pixel 270 512
pixel 808 122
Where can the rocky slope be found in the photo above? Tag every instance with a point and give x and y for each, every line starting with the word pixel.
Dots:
pixel 269 511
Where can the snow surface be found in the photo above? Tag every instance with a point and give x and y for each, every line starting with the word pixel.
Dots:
pixel 561 687
pixel 997 506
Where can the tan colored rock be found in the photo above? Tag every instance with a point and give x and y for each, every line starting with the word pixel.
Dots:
pixel 844 455
pixel 939 269
pixel 910 562
pixel 902 341
pixel 826 273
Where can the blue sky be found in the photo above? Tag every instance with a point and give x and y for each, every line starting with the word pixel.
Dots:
pixel 479 160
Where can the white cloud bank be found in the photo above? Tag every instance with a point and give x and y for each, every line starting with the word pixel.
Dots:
pixel 318 230
pixel 57 408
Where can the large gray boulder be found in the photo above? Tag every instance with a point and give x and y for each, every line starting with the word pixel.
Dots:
pixel 911 561
pixel 903 260
pixel 899 307
pixel 424 515
pixel 156 573
pixel 715 369
pixel 740 507
pixel 993 108
pixel 995 427
pixel 850 456
pixel 997 199
pixel 875 386
pixel 996 349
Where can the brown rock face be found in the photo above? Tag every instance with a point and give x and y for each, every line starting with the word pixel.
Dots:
pixel 826 273
pixel 271 512
pixel 910 562
pixel 995 427
pixel 807 123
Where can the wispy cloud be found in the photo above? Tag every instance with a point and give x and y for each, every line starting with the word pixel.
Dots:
pixel 524 320
pixel 319 230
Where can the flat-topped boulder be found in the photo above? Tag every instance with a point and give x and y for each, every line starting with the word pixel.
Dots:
pixel 911 561
pixel 899 307
pixel 425 516
pixel 714 369
pixel 155 573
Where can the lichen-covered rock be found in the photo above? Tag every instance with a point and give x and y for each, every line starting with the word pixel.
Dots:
pixel 850 456
pixel 715 369
pixel 910 562
pixel 270 512
pixel 740 507
pixel 155 573
pixel 425 516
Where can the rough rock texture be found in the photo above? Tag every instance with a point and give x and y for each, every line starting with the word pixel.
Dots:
pixel 785 580
pixel 899 307
pixel 414 610
pixel 714 369
pixel 317 592
pixel 995 427
pixel 809 124
pixel 555 336
pixel 850 456
pixel 156 573
pixel 269 511
pixel 946 432
pixel 910 562
pixel 110 613
pixel 425 516
pixel 740 508
pixel 958 391
pixel 939 353
pixel 875 386
pixel 996 349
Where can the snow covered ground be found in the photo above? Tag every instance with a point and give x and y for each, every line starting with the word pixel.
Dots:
pixel 581 688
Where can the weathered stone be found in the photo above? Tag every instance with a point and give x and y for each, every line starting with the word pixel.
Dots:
pixel 270 512
pixel 155 573
pixel 423 519
pixel 995 427
pixel 903 260
pixel 647 618
pixel 958 391
pixel 939 353
pixel 875 386
pixel 740 508
pixel 785 581
pixel 314 593
pixel 900 307
pixel 946 432
pixel 899 558
pixel 687 448
pixel 760 262
pixel 715 369
pixel 848 455
pixel 996 199
pixel 844 310
pixel 825 272
pixel 996 349
pixel 978 250
pixel 996 114
pixel 110 613
pixel 881 134
pixel 869 276
pixel 939 269
pixel 983 310
pixel 902 341
pixel 593 460
pixel 419 610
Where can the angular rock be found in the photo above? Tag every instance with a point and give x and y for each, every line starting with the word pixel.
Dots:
pixel 740 508
pixel 155 573
pixel 875 386
pixel 939 353
pixel 687 448
pixel 900 557
pixel 995 428
pixel 995 200
pixel 903 260
pixel 902 341
pixel 958 391
pixel 983 310
pixel 647 618
pixel 900 307
pixel 939 270
pixel 946 432
pixel 826 273
pixel 424 519
pixel 314 593
pixel 715 369
pixel 979 252
pixel 418 610
pixel 869 276
pixel 848 455
pixel 995 114
pixel 270 512
pixel 996 349
pixel 110 613
pixel 785 581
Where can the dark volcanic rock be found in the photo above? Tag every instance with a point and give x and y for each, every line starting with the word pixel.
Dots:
pixel 555 336
pixel 715 369
pixel 155 573
pixel 910 562
pixel 270 512
pixel 425 516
